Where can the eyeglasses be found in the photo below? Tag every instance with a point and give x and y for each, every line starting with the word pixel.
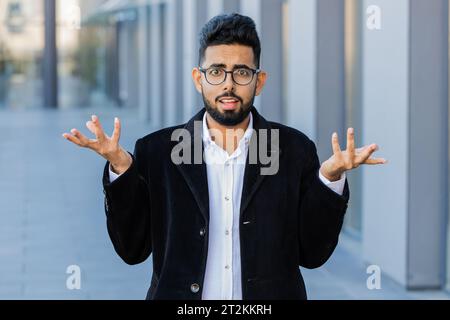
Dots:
pixel 241 76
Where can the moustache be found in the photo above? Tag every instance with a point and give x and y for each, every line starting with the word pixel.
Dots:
pixel 229 95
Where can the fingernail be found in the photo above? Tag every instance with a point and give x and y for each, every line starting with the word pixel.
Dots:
pixel 94 118
pixel 351 130
pixel 116 120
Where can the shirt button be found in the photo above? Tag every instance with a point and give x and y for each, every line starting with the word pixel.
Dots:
pixel 227 232
pixel 202 232
pixel 195 288
pixel 227 198
pixel 227 267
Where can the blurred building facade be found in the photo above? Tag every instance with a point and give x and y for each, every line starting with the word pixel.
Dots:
pixel 379 66
pixel 21 49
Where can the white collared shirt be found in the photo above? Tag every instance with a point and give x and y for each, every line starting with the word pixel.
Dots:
pixel 225 183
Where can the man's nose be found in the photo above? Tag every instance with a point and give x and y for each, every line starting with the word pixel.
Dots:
pixel 229 84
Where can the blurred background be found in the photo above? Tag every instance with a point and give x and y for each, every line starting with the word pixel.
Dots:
pixel 380 66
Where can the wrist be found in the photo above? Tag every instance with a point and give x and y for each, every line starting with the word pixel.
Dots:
pixel 331 177
pixel 121 162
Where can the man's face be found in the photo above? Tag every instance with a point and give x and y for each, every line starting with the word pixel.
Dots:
pixel 228 103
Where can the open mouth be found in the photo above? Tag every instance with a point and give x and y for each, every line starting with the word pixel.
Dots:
pixel 229 103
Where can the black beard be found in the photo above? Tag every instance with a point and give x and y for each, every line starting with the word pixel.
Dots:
pixel 229 118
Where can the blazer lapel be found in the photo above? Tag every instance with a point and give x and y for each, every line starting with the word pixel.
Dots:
pixel 196 174
pixel 253 177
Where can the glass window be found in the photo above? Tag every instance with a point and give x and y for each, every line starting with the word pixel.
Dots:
pixel 97 51
pixel 73 91
pixel 21 51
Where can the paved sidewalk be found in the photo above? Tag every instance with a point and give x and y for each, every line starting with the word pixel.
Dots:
pixel 51 208
pixel 52 216
pixel 344 277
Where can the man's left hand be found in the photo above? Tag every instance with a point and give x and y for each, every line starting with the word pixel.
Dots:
pixel 349 159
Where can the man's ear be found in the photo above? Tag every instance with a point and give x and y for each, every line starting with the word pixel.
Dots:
pixel 260 82
pixel 197 78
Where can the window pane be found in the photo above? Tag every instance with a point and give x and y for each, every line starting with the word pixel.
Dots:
pixel 21 51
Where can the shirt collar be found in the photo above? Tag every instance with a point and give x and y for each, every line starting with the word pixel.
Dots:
pixel 207 140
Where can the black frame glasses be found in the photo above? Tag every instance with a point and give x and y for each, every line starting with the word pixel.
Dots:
pixel 205 72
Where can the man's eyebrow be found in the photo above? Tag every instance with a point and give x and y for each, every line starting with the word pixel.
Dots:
pixel 238 66
pixel 218 65
pixel 222 65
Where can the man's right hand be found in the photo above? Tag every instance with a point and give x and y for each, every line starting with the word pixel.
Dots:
pixel 108 147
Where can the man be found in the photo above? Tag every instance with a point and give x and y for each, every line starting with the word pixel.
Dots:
pixel 220 228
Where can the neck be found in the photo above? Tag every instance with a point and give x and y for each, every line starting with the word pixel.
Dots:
pixel 227 137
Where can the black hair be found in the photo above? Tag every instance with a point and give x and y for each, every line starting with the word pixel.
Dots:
pixel 230 29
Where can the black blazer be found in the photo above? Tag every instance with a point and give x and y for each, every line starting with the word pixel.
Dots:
pixel 287 220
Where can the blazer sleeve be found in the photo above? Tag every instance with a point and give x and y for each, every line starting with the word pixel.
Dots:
pixel 321 214
pixel 127 208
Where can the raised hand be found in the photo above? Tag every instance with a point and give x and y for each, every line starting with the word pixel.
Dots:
pixel 108 147
pixel 342 161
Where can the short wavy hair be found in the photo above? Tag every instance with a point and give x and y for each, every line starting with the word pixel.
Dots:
pixel 230 29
